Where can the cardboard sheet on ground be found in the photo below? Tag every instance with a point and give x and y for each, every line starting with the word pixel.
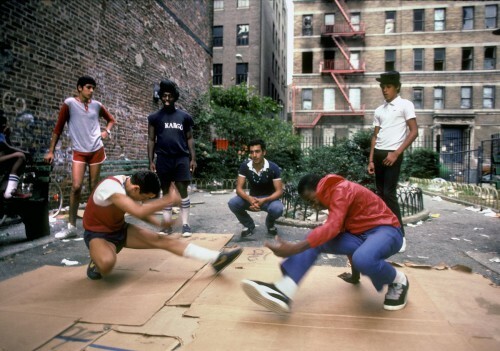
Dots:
pixel 447 310
pixel 141 283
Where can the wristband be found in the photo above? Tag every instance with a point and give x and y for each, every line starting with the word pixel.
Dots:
pixel 108 131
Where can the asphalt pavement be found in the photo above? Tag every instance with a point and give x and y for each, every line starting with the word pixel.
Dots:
pixel 453 235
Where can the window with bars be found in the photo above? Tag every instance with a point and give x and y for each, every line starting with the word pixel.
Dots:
pixel 418 98
pixel 466 97
pixel 439 59
pixel 467 59
pixel 489 97
pixel 439 19
pixel 490 61
pixel 490 16
pixel 468 17
pixel 418 59
pixel 418 20
pixel 438 98
pixel 307 25
pixel 217 36
pixel 390 60
pixel 241 73
pixel 217 74
pixel 242 34
pixel 306 99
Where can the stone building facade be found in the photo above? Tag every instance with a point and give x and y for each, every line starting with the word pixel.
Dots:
pixel 445 51
pixel 127 46
pixel 250 46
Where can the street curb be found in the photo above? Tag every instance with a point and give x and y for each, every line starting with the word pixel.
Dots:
pixel 9 251
pixel 309 224
pixel 457 201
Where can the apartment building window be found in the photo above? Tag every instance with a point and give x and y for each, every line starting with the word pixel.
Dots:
pixel 468 17
pixel 390 22
pixel 356 20
pixel 466 97
pixel 355 97
pixel 439 19
pixel 439 59
pixel 418 98
pixel 490 16
pixel 307 99
pixel 439 98
pixel 418 59
pixel 490 57
pixel 217 74
pixel 329 99
pixel 242 34
pixel 217 36
pixel 307 62
pixel 307 27
pixel 418 20
pixel 390 60
pixel 489 97
pixel 243 3
pixel 329 19
pixel 241 73
pixel 467 59
pixel 218 4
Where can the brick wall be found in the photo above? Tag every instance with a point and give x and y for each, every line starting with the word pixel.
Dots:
pixel 125 45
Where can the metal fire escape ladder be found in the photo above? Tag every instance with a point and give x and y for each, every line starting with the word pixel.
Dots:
pixel 341 85
pixel 342 6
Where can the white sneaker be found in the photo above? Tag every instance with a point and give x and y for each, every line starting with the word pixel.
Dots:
pixel 403 247
pixel 70 232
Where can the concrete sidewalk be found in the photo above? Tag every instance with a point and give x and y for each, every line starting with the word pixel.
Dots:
pixel 457 236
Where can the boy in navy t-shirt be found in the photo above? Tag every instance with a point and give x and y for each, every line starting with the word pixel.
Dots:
pixel 266 189
pixel 170 137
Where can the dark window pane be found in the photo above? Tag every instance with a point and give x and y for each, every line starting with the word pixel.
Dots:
pixel 307 62
pixel 218 36
pixel 242 34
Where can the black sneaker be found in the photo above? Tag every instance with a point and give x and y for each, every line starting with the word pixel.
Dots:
pixel 186 231
pixel 167 230
pixel 247 232
pixel 396 296
pixel 93 272
pixel 266 295
pixel 273 231
pixel 225 259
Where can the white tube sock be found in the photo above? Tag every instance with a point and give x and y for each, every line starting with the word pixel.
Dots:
pixel 400 278
pixel 200 253
pixel 185 207
pixel 11 185
pixel 167 214
pixel 287 286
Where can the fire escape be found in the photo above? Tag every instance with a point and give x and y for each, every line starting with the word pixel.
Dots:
pixel 348 65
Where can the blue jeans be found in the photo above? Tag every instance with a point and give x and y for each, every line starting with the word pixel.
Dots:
pixel 240 207
pixel 369 251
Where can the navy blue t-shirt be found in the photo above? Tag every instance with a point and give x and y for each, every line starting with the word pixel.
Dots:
pixel 171 127
pixel 260 184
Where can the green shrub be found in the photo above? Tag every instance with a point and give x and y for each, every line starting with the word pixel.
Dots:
pixel 420 163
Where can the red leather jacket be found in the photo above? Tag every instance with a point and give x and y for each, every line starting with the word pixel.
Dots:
pixel 352 208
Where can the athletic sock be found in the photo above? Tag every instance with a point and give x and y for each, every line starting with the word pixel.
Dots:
pixel 200 253
pixel 185 207
pixel 400 278
pixel 167 214
pixel 11 185
pixel 287 286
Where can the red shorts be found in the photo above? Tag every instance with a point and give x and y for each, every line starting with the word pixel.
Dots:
pixel 91 158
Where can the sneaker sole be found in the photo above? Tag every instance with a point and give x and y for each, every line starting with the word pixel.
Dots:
pixel 66 236
pixel 187 235
pixel 253 292
pixel 228 263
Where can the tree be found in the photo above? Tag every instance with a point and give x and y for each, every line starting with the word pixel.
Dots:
pixel 238 115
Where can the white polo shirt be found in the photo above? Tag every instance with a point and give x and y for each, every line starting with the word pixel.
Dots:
pixel 391 117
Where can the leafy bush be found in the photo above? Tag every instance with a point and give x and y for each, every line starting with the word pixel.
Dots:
pixel 347 158
pixel 420 163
